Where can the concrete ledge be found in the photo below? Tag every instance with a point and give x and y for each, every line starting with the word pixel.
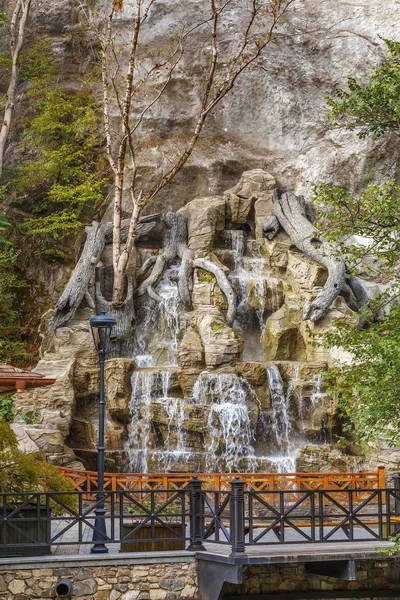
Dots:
pixel 297 553
pixel 98 560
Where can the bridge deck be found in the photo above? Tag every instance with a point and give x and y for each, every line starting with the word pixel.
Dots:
pixel 297 552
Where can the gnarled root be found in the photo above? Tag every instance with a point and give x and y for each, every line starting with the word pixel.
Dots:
pixel 223 283
pixel 291 214
pixel 98 235
pixel 185 278
pixel 155 276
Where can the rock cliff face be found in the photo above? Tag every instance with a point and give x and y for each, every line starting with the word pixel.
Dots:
pixel 202 388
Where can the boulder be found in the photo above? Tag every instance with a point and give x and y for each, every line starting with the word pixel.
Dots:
pixel 118 374
pixel 254 372
pixel 191 351
pixel 281 339
pixel 48 440
pixel 206 217
pixel 25 443
pixel 221 343
pixel 82 434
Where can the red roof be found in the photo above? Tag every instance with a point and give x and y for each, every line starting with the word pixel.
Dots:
pixel 13 378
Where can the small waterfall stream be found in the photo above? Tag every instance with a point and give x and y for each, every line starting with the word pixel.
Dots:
pixel 229 420
pixel 282 420
pixel 257 291
pixel 157 331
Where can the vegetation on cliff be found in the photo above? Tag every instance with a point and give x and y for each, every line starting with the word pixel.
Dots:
pixel 27 472
pixel 367 391
pixel 48 195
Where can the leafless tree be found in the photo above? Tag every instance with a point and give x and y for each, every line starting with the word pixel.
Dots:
pixel 138 88
pixel 135 83
pixel 17 36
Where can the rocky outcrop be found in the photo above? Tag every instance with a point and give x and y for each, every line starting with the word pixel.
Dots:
pixel 222 344
pixel 118 374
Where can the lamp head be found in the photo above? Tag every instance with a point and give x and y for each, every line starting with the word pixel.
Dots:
pixel 102 324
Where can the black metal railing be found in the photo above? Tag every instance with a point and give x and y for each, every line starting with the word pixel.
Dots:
pixel 192 518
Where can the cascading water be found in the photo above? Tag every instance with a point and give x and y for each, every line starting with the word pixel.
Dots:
pixel 149 389
pixel 229 422
pixel 253 281
pixel 281 420
pixel 143 384
pixel 222 424
pixel 157 330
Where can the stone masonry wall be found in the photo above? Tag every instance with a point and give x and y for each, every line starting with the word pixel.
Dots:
pixel 167 581
pixel 286 578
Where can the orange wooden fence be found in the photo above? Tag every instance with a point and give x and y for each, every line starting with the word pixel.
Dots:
pixel 86 481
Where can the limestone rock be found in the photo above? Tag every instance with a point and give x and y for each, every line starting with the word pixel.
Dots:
pixel 25 443
pixel 325 459
pixel 118 374
pixel 237 209
pixel 254 372
pixel 252 183
pixel 221 343
pixel 191 351
pixel 281 339
pixel 49 441
pixel 263 208
pixel 304 273
pixel 54 402
pixel 82 434
pixel 277 249
pixel 206 217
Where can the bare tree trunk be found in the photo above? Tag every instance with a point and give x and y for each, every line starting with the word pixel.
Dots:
pixel 98 234
pixel 223 283
pixel 123 312
pixel 17 28
pixel 290 212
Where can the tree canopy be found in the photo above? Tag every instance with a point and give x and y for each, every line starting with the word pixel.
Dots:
pixel 367 391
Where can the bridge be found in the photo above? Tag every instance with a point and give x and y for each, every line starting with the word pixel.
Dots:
pixel 326 521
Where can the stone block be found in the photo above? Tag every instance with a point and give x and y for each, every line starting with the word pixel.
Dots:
pixel 85 588
pixel 16 586
pixel 118 374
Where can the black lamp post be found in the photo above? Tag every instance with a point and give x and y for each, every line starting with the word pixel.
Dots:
pixel 101 326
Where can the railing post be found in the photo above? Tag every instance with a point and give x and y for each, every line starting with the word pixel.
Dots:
pixel 396 482
pixel 236 518
pixel 196 515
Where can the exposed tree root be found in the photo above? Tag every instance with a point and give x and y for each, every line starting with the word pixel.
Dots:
pixel 291 215
pixel 98 235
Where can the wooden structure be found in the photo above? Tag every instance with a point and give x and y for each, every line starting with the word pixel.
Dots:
pixel 86 481
pixel 13 379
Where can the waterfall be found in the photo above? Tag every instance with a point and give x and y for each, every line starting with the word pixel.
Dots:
pixel 148 387
pixel 282 425
pixel 157 331
pixel 140 421
pixel 253 282
pixel 229 420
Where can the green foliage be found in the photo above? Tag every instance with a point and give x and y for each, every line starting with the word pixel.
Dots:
pixel 7 407
pixel 38 67
pixel 3 19
pixel 374 215
pixel 367 391
pixel 205 276
pixel 22 472
pixel 374 108
pixel 12 348
pixel 63 181
pixel 395 549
